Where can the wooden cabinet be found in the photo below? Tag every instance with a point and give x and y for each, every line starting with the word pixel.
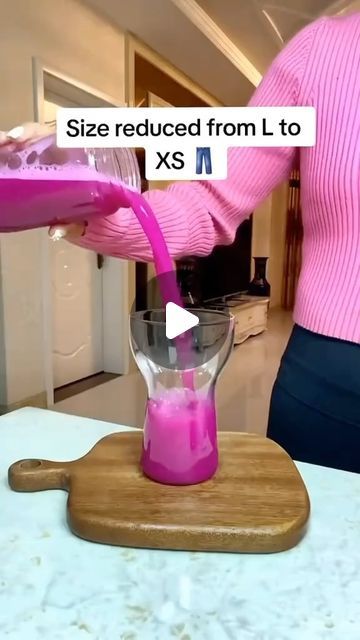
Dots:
pixel 251 315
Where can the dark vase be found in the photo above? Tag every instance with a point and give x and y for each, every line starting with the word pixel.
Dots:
pixel 259 286
pixel 188 279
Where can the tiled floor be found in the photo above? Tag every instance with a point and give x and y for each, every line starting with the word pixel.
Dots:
pixel 243 391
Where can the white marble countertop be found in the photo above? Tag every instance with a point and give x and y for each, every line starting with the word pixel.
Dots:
pixel 55 586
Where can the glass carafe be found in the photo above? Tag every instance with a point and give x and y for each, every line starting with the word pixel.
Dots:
pixel 43 185
pixel 180 431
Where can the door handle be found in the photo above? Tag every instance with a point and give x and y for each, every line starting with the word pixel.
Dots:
pixel 100 260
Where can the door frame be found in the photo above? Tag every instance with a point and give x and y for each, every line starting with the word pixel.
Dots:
pixel 115 272
pixel 134 46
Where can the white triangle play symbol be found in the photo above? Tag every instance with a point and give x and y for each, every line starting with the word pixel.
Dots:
pixel 178 320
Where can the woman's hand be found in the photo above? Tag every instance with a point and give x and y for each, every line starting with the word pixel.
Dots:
pixel 67 231
pixel 20 137
pixel 24 134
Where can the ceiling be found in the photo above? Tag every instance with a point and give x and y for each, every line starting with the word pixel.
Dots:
pixel 224 45
pixel 260 27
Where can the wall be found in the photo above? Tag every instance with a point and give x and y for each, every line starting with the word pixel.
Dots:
pixel 262 229
pixel 277 243
pixel 73 40
pixel 268 239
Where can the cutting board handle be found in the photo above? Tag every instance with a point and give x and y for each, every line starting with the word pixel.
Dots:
pixel 38 475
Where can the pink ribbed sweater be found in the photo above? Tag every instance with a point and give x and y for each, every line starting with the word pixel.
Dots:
pixel 319 67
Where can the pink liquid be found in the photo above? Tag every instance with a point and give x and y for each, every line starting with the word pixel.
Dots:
pixel 163 266
pixel 180 438
pixel 162 261
pixel 180 428
pixel 32 203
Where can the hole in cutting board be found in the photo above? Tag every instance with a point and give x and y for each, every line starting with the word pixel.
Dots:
pixel 30 464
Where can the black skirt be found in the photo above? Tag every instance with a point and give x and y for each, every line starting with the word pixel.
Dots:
pixel 315 404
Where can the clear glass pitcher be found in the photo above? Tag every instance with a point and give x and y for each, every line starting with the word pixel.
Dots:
pixel 43 185
pixel 180 431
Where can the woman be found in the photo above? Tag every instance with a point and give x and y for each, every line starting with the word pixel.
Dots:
pixel 315 407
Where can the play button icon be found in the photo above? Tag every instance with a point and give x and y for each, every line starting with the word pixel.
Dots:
pixel 178 320
pixel 170 337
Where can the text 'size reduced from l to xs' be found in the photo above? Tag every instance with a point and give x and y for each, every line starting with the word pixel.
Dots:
pixel 186 143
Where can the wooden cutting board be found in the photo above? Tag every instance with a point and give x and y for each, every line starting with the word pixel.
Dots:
pixel 256 503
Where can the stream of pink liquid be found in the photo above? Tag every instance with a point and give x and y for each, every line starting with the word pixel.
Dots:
pixel 180 441
pixel 180 427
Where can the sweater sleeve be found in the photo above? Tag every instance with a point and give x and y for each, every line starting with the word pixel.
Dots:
pixel 196 216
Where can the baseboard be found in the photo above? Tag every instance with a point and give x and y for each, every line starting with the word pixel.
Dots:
pixel 74 388
pixel 39 401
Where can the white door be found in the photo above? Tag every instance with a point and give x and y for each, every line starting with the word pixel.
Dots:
pixel 77 305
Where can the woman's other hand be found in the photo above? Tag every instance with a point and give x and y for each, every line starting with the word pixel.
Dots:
pixel 67 231
pixel 24 134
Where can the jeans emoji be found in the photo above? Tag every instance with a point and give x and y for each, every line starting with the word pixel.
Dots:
pixel 203 156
